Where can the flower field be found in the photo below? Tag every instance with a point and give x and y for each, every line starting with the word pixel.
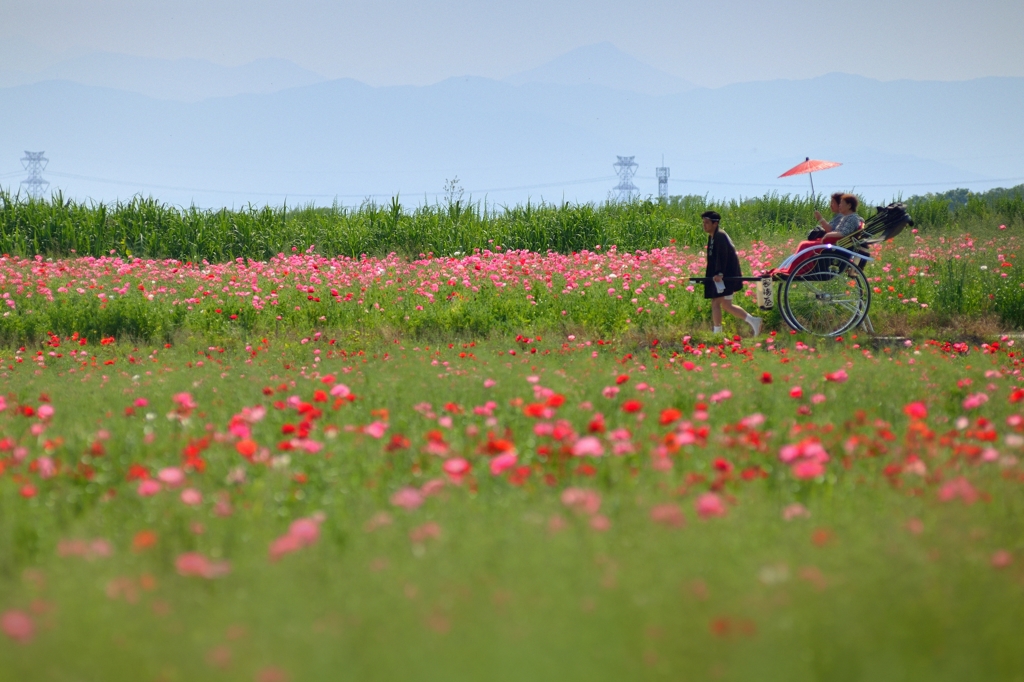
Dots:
pixel 532 508
pixel 506 465
pixel 919 280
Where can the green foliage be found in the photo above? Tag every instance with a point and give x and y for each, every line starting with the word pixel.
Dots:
pixel 146 228
pixel 960 206
pixel 951 291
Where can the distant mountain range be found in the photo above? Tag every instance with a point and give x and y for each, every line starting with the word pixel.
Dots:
pixel 191 80
pixel 552 133
pixel 188 80
pixel 606 66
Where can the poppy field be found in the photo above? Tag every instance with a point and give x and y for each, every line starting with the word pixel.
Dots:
pixel 922 282
pixel 505 465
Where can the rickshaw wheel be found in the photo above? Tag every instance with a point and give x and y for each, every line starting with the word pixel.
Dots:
pixel 825 296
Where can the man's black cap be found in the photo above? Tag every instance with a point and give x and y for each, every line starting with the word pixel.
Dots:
pixel 712 216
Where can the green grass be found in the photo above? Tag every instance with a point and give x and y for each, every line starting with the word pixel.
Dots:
pixel 145 227
pixel 846 593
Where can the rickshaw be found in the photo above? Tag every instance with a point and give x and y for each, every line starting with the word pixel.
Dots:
pixel 821 288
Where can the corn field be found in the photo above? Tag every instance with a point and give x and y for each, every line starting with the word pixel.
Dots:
pixel 145 227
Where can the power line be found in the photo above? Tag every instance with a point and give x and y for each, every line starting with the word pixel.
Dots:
pixel 517 188
pixel 896 185
pixel 88 178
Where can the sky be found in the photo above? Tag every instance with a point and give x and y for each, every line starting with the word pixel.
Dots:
pixel 417 42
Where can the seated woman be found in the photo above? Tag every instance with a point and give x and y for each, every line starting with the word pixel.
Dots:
pixel 845 221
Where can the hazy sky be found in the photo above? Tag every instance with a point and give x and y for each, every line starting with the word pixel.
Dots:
pixel 389 42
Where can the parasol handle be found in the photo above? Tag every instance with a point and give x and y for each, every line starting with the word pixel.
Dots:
pixel 810 175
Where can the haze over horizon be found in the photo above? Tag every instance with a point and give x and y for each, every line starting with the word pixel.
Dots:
pixel 544 97
pixel 412 42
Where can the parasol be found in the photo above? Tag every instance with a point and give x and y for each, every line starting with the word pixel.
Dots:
pixel 810 166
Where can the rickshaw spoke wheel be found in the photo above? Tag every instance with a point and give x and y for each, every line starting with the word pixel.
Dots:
pixel 825 296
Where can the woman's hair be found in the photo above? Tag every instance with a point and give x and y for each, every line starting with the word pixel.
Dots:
pixel 852 200
pixel 837 197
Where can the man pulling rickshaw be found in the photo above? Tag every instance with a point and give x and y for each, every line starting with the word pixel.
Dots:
pixel 821 288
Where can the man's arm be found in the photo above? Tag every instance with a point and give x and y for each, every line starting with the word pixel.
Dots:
pixel 721 257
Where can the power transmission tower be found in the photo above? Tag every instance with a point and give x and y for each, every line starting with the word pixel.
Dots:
pixel 34 163
pixel 662 172
pixel 625 168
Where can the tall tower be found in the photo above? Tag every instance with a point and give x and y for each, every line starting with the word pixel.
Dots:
pixel 34 163
pixel 662 172
pixel 625 168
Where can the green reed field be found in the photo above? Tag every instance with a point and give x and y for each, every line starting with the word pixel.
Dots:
pixel 149 229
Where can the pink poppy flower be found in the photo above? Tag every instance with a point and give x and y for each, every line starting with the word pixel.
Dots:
pixel 668 515
pixel 1001 559
pixel 974 401
pixel 721 396
pixel 285 544
pixel 18 626
pixel 503 462
pixel 794 510
pixel 958 488
pixel 306 530
pixel 340 391
pixel 428 531
pixel 456 468
pixel 710 505
pixel 45 467
pixel 185 402
pixel 148 488
pixel 808 468
pixel 191 497
pixel 915 410
pixel 407 498
pixel 752 421
pixel 839 376
pixel 432 487
pixel 376 429
pixel 588 446
pixel 194 564
pixel 582 500
pixel 172 477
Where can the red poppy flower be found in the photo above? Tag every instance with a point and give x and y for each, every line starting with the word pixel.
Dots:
pixel 632 406
pixel 669 415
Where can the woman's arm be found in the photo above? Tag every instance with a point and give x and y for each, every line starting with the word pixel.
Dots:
pixel 822 223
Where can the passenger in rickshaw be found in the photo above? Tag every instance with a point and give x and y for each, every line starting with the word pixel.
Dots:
pixel 845 220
